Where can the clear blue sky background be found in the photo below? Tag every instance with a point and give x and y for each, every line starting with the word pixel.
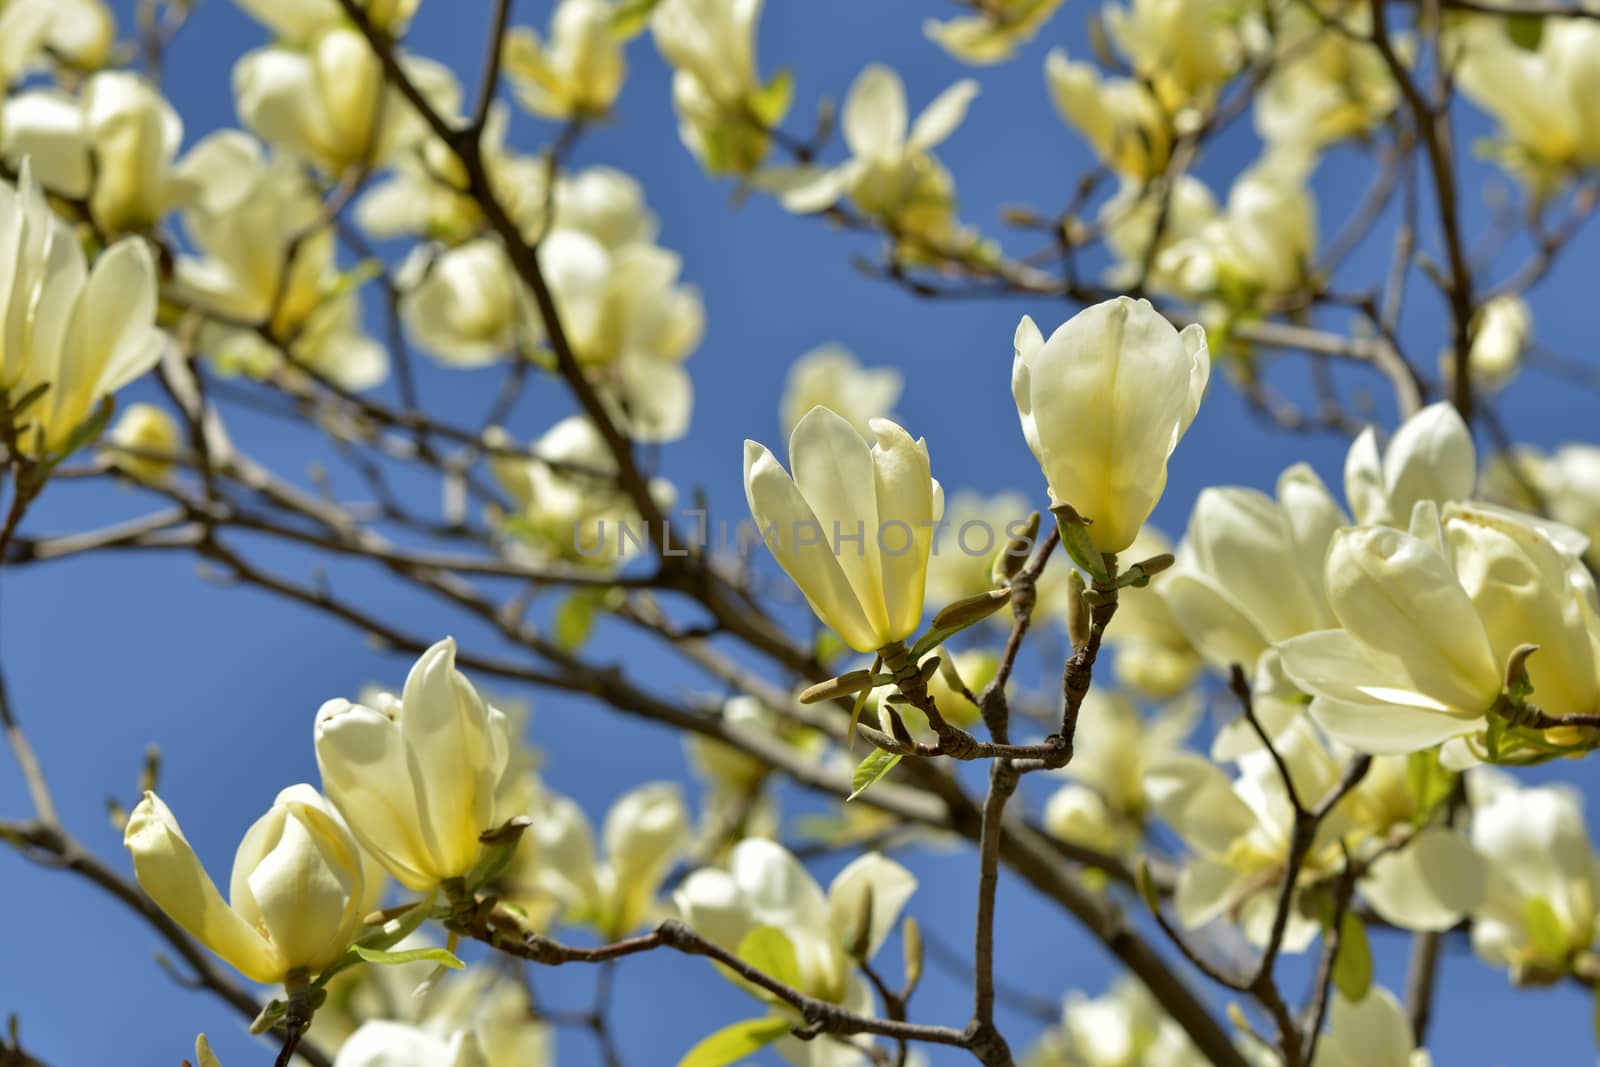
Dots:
pixel 105 655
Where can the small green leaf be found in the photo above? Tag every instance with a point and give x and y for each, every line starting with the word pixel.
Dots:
pixel 733 1043
pixel 1352 968
pixel 631 17
pixel 855 715
pixel 772 102
pixel 1428 782
pixel 574 620
pixel 1544 928
pixel 911 946
pixel 769 950
pixel 442 957
pixel 877 764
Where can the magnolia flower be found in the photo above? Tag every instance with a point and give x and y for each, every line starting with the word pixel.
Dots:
pixel 250 218
pixel 569 505
pixel 1412 665
pixel 853 526
pixel 1079 816
pixel 83 331
pixel 606 204
pixel 1121 120
pixel 1154 656
pixel 891 175
pixel 765 887
pixel 1250 570
pixel 1546 98
pixel 831 377
pixel 113 146
pixel 578 72
pixel 994 34
pixel 1543 898
pixel 297 21
pixel 1566 483
pixel 646 832
pixel 723 111
pixel 466 305
pixel 1371 1032
pixel 1240 832
pixel 1262 243
pixel 1431 457
pixel 300 889
pixel 1187 49
pixel 1501 333
pixel 425 190
pixel 381 1043
pixel 1123 1027
pixel 1324 86
pixel 415 776
pixel 330 104
pixel 77 33
pixel 1103 403
pixel 1128 220
pixel 150 432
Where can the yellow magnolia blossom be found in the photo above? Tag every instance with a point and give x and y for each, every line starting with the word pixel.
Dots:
pixel 1120 118
pixel 830 376
pixel 300 891
pixel 415 775
pixel 297 21
pixel 152 433
pixel 995 33
pixel 854 525
pixel 1103 404
pixel 81 331
pixel 578 71
pixel 1154 657
pixel 1187 49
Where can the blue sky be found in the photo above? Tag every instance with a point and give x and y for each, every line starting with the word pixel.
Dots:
pixel 107 654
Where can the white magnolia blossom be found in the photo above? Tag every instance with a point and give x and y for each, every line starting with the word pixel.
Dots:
pixel 1431 457
pixel 1262 242
pixel 994 34
pixel 424 193
pixel 1103 405
pixel 143 440
pixel 1546 98
pixel 248 221
pixel 329 103
pixel 1187 49
pixel 466 305
pixel 1543 899
pixel 1325 86
pixel 1371 1032
pixel 578 71
pixel 1501 334
pixel 830 376
pixel 1120 118
pixel 1565 484
pixel 871 591
pixel 112 145
pixel 892 174
pixel 645 833
pixel 569 506
pixel 83 331
pixel 78 33
pixel 1123 1027
pixel 298 21
pixel 415 775
pixel 765 888
pixel 1250 570
pixel 723 110
pixel 381 1043
pixel 300 891
pixel 1128 220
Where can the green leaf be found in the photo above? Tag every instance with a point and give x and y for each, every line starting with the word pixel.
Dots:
pixel 1525 31
pixel 769 950
pixel 877 764
pixel 1428 782
pixel 442 957
pixel 1352 968
pixel 855 716
pixel 1544 928
pixel 574 620
pixel 733 1043
pixel 772 102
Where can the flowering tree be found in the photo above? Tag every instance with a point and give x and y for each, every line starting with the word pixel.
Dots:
pixel 1374 665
